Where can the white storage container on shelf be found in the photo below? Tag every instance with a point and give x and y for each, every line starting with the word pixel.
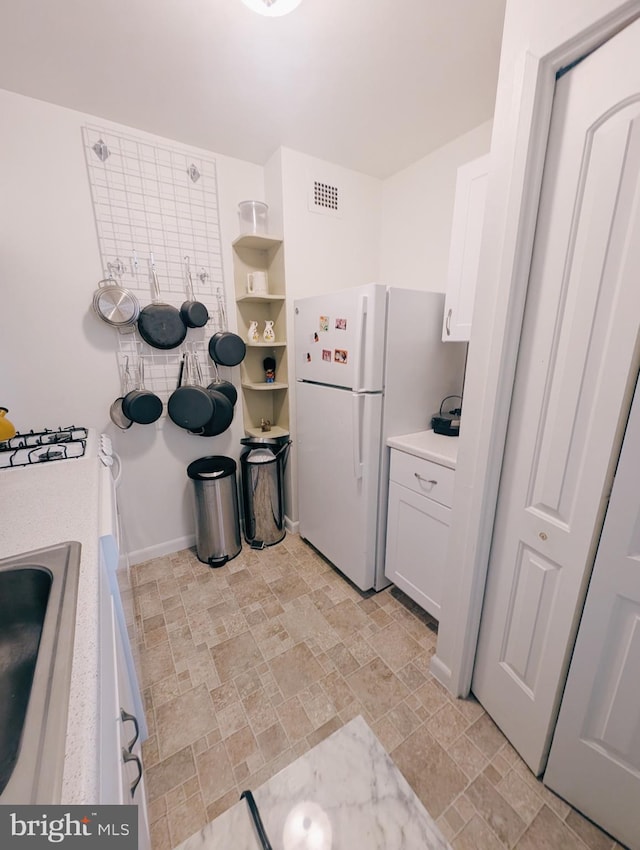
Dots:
pixel 253 217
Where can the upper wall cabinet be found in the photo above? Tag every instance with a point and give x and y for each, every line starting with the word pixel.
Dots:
pixel 464 254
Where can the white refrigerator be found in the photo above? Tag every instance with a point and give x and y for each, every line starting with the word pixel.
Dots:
pixel 370 364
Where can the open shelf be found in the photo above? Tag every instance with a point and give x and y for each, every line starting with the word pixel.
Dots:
pixel 258 299
pixel 274 431
pixel 264 386
pixel 256 241
pixel 262 401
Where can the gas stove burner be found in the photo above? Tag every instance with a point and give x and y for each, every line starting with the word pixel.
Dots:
pixel 43 446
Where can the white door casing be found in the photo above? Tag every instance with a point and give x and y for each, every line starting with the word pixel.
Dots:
pixel 594 761
pixel 570 394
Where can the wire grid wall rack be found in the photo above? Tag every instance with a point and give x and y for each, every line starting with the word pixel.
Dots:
pixel 155 203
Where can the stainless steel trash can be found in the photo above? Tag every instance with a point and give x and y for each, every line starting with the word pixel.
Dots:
pixel 216 509
pixel 262 474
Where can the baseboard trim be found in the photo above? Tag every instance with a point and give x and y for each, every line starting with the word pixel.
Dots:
pixel 441 672
pixel 292 527
pixel 139 556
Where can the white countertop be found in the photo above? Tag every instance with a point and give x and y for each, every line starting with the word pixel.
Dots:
pixel 43 505
pixel 429 446
pixel 344 793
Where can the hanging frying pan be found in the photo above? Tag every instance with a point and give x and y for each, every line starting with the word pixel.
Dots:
pixel 194 313
pixel 114 304
pixel 226 348
pixel 190 406
pixel 140 405
pixel 222 386
pixel 116 413
pixel 225 388
pixel 160 324
pixel 222 416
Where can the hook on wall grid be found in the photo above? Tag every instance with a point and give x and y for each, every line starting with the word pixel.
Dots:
pixel 101 150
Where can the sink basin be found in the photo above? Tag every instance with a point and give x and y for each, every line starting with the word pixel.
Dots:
pixel 38 593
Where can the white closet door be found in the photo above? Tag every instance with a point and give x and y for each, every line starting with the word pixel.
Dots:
pixel 595 756
pixel 571 395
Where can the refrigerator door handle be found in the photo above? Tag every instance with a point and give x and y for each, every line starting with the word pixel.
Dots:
pixel 358 465
pixel 363 309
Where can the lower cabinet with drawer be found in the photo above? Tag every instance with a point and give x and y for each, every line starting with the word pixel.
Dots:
pixel 419 515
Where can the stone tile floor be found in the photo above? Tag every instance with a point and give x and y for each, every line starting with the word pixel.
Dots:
pixel 245 668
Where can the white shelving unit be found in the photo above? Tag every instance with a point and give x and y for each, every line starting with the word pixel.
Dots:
pixel 262 401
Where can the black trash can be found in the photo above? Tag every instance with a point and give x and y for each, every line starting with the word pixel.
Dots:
pixel 216 509
pixel 262 473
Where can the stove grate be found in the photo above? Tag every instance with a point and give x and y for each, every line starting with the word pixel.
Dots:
pixel 43 446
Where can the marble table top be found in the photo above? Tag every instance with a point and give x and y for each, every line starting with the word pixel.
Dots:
pixel 345 793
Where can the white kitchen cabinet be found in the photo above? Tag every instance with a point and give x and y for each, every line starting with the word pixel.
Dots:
pixel 464 251
pixel 419 516
pixel 120 757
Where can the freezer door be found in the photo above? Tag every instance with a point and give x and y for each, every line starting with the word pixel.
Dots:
pixel 339 338
pixel 338 439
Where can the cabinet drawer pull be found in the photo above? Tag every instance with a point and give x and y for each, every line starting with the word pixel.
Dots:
pixel 431 481
pixel 127 757
pixel 448 325
pixel 124 716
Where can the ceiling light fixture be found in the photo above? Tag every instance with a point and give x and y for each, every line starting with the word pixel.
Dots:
pixel 272 8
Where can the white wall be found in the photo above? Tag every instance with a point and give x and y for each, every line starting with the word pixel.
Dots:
pixel 59 363
pixel 58 359
pixel 540 36
pixel 395 231
pixel 322 253
pixel 417 211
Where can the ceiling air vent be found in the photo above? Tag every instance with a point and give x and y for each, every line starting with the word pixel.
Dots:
pixel 324 198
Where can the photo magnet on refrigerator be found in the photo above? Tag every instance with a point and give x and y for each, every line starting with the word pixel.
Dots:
pixel 324 323
pixel 340 355
pixel 326 355
pixel 341 324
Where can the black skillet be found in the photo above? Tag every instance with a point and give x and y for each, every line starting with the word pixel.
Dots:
pixel 222 386
pixel 226 348
pixel 160 324
pixel 194 313
pixel 226 388
pixel 140 405
pixel 222 416
pixel 190 406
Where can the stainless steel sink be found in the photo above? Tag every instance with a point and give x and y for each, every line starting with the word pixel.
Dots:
pixel 38 594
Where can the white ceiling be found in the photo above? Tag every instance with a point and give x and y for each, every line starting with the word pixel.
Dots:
pixel 372 85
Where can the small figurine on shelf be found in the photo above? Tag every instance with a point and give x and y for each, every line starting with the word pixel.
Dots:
pixel 252 334
pixel 265 424
pixel 268 334
pixel 269 365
